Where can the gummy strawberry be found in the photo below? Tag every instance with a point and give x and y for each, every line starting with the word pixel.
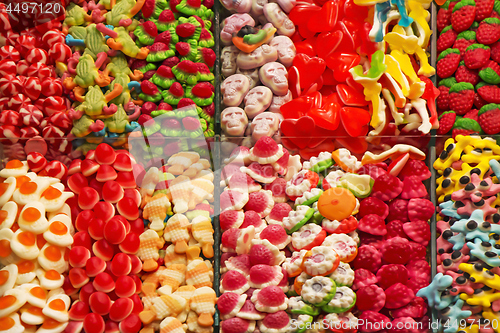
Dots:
pixel 419 231
pixel 202 90
pixel 372 321
pixel 483 9
pixel 488 31
pixel 368 257
pixel 495 52
pixel 446 39
pixel 396 250
pixel 227 302
pixel 447 63
pixel 464 40
pixel 391 274
pixel 465 74
pixel 463 15
pixel 461 97
pixel 442 101
pixel 260 254
pixel 240 263
pixel 387 187
pixel 398 210
pixel 395 229
pixel 185 30
pixel 465 126
pixel 398 295
pixel 370 298
pixel 413 188
pixel 372 240
pixel 372 224
pixel 479 102
pixel 418 250
pixel 149 88
pixel 490 93
pixel 476 56
pixel 415 168
pixel 148 8
pixel 176 89
pixel 489 118
pixel 417 283
pixel 372 205
pixel 420 209
pixel 362 278
pixel 415 309
pixel 446 121
pixel 490 73
pixel 230 219
pixel 443 18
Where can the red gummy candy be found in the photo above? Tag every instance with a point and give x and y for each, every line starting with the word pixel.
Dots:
pixel 372 224
pixel 125 286
pixel 396 250
pixel 420 209
pixel 121 309
pixel 398 210
pixel 419 268
pixel 369 258
pixel 397 295
pixel 99 303
pixel 93 323
pixel 415 168
pixel 370 298
pixel 413 188
pixel 419 231
pixel 105 154
pixel 373 322
pixel 386 187
pixel 372 205
pixel 131 324
pixel 391 274
pixel 362 278
pixel 260 254
pixel 417 308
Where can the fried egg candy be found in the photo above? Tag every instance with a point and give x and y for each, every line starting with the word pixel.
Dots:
pixel 54 197
pixel 14 168
pixel 26 271
pixel 30 191
pixel 8 276
pixel 12 301
pixel 57 307
pixel 52 257
pixel 32 218
pixel 7 256
pixel 8 214
pixel 23 243
pixel 50 279
pixel 11 324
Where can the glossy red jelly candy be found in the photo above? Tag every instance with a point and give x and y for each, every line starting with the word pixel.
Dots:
pixel 82 238
pixel 77 181
pixel 106 173
pixel 96 228
pixel 105 154
pixel 310 69
pixel 127 208
pixel 103 249
pixel 89 167
pixel 95 265
pixel 341 63
pixel 99 303
pixel 307 46
pixel 123 163
pixel 121 264
pixel 78 311
pixel 138 306
pixel 86 291
pixel 112 192
pixel 104 282
pixel 78 256
pixel 78 277
pixel 327 117
pixel 121 309
pixel 131 324
pixel 114 231
pixel 130 244
pixel 104 210
pixel 125 286
pixel 327 42
pixel 350 96
pixel 87 198
pixel 325 19
pixel 93 323
pixel 355 120
pixel 83 220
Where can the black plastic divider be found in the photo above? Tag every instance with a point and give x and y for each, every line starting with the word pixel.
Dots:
pixel 216 155
pixel 217 99
pixel 431 159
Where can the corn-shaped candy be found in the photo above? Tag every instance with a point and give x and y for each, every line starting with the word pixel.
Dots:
pixel 156 211
pixel 180 189
pixel 172 325
pixel 148 250
pixel 181 161
pixel 203 303
pixel 192 171
pixel 185 292
pixel 149 182
pixel 177 232
pixel 201 228
pixel 168 306
pixel 171 278
pixel 172 258
pixel 194 327
pixel 150 282
pixel 203 188
pixel 198 272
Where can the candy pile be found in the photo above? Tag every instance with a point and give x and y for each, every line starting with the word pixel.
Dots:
pixel 350 76
pixel 103 260
pixel 177 283
pixel 98 78
pixel 35 235
pixel 391 265
pixel 254 65
pixel 465 290
pixel 32 102
pixel 178 71
pixel 468 66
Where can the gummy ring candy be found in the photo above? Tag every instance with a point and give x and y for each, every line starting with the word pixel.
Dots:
pixel 296 219
pixel 344 245
pixel 309 197
pixel 298 306
pixel 319 290
pixel 343 301
pixel 299 281
pixel 343 227
pixel 293 265
pixel 307 237
pixel 321 260
pixel 343 275
pixel 336 203
pixel 300 183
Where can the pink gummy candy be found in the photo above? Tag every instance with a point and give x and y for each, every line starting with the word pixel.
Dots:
pixel 419 231
pixel 368 257
pixel 225 256
pixel 420 209
pixel 415 309
pixel 395 229
pixel 276 321
pixel 275 234
pixel 418 268
pixel 372 224
pixel 413 188
pixel 371 298
pixel 233 280
pixel 265 147
pixel 240 263
pixel 244 182
pixel 261 202
pixel 231 199
pixel 278 188
pixel 234 325
pixel 398 210
pixel 396 250
pixel 248 311
pixel 418 250
pixel 279 212
pixel 391 274
pixel 252 218
pixel 386 187
pixel 227 302
pixel 264 275
pixel 231 219
pixel 363 277
pixel 271 296
pixel 398 295
pixel 417 283
pixel 230 237
pixel 260 254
